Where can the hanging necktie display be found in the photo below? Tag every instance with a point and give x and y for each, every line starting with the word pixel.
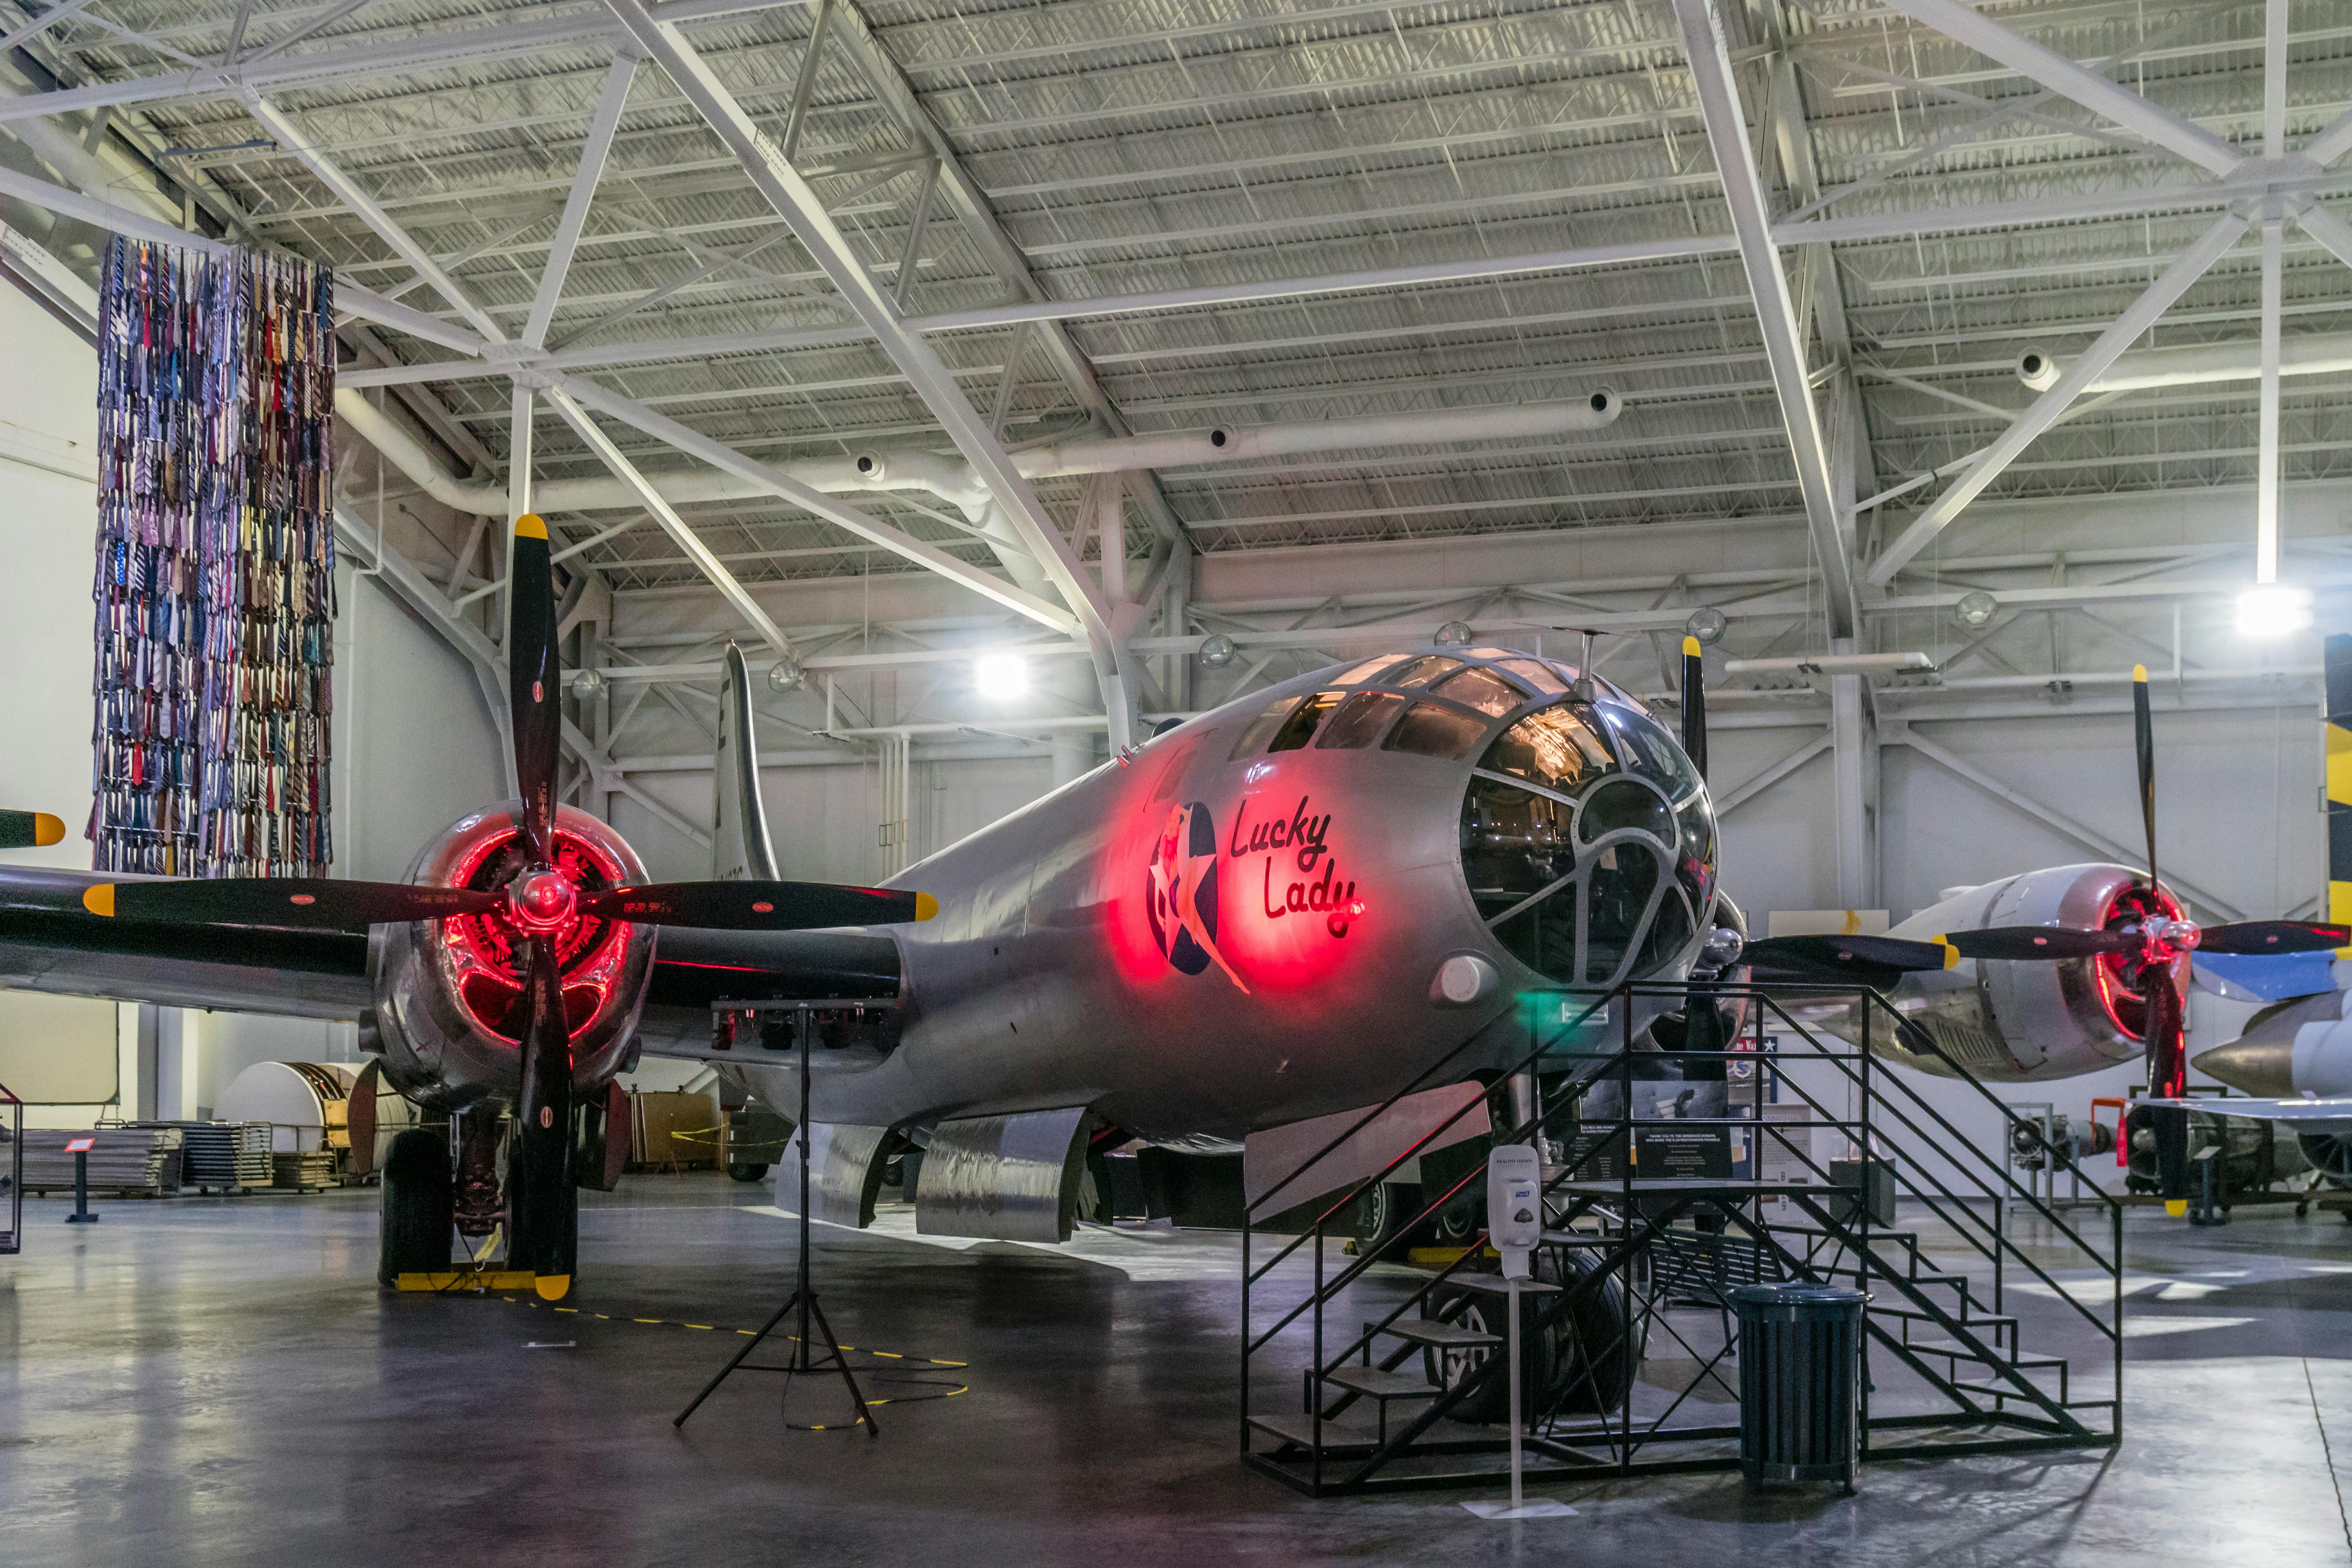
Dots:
pixel 215 587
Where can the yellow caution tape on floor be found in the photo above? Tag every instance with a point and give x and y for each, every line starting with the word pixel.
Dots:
pixel 902 1356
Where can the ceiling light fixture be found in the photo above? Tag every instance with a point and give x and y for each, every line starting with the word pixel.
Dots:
pixel 2273 611
pixel 1002 677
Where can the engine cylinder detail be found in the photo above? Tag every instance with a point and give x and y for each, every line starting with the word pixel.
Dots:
pixel 449 993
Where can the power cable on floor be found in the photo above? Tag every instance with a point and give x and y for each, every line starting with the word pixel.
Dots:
pixel 2327 1454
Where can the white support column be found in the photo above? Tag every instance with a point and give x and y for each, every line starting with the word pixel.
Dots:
pixel 593 153
pixel 1853 741
pixel 179 1062
pixel 1110 535
pixel 1768 285
pixel 2087 368
pixel 2269 457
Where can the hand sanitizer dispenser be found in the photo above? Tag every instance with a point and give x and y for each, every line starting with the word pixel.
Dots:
pixel 1514 1206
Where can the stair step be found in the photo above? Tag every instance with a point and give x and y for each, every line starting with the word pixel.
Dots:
pixel 1376 1383
pixel 1965 1315
pixel 1440 1334
pixel 1958 1352
pixel 1948 1281
pixel 1496 1284
pixel 1300 1429
pixel 2003 1390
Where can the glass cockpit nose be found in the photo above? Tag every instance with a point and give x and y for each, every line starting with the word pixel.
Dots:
pixel 1589 843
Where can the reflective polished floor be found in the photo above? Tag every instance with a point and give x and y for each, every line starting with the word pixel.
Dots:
pixel 220 1380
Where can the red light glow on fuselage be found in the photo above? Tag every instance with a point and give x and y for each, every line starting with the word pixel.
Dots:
pixel 488 948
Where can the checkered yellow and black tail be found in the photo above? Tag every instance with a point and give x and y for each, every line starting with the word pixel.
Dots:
pixel 2338 763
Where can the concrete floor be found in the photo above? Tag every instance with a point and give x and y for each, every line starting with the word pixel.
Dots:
pixel 219 1380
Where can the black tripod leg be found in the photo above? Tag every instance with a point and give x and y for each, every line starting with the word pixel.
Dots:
pixel 711 1387
pixel 864 1410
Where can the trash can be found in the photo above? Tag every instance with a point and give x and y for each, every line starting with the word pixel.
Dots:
pixel 1799 1355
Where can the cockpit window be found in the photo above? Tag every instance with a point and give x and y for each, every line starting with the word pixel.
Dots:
pixel 1262 728
pixel 1488 693
pixel 1538 674
pixel 1555 747
pixel 1299 728
pixel 1591 863
pixel 1649 750
pixel 1370 668
pixel 1429 730
pixel 1422 670
pixel 1359 721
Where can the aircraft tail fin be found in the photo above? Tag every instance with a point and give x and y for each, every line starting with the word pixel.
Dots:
pixel 738 839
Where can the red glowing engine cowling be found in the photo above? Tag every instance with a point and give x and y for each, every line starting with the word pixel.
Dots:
pixel 2016 1022
pixel 448 993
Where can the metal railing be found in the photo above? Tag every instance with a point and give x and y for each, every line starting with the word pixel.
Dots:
pixel 1623 1226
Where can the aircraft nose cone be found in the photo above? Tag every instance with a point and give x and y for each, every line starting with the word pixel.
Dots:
pixel 2263 1069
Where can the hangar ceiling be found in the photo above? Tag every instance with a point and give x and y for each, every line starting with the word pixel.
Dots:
pixel 1104 215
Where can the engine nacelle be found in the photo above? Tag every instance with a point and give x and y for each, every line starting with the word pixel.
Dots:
pixel 2016 1022
pixel 448 993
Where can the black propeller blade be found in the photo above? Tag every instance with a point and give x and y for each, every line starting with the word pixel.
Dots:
pixel 1694 706
pixel 29 829
pixel 2273 936
pixel 542 1205
pixel 307 903
pixel 2144 742
pixel 1829 953
pixel 533 676
pixel 758 906
pixel 2030 942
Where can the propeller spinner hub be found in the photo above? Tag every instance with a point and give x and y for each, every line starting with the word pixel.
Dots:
pixel 2173 936
pixel 542 901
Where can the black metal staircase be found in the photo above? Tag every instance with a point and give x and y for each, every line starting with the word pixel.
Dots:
pixel 1631 1341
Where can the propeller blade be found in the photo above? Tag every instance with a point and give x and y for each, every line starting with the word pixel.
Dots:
pixel 304 903
pixel 534 679
pixel 359 1118
pixel 1830 952
pixel 2030 942
pixel 541 1207
pixel 2144 741
pixel 2168 1079
pixel 2273 936
pixel 29 829
pixel 759 906
pixel 1694 706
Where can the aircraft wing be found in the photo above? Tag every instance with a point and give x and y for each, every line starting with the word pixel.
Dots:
pixel 49 943
pixel 2301 1115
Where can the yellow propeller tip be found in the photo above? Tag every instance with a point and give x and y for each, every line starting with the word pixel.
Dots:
pixel 1690 648
pixel 530 526
pixel 552 1287
pixel 2139 673
pixel 1951 954
pixel 48 829
pixel 2176 1207
pixel 926 905
pixel 99 899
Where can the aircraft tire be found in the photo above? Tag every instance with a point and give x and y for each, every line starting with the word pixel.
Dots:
pixel 419 1207
pixel 1584 1365
pixel 747 1172
pixel 1379 1214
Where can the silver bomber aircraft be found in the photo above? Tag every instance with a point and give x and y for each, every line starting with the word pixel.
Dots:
pixel 1280 910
